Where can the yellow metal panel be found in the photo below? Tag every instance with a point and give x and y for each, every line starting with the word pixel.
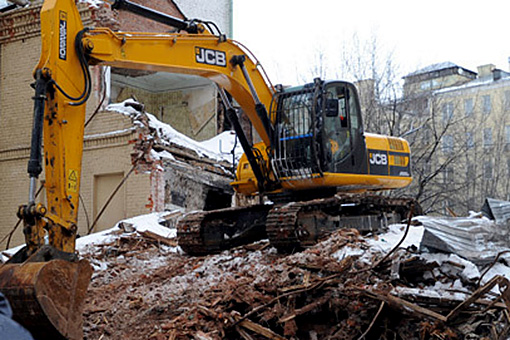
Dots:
pixel 63 123
pixel 247 184
pixel 349 182
pixel 180 53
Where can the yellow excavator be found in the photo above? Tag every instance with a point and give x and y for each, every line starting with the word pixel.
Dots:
pixel 313 163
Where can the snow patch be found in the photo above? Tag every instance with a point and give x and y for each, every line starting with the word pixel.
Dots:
pixel 93 3
pixel 385 242
pixel 218 148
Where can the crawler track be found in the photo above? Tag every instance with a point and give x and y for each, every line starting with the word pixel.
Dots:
pixel 190 235
pixel 290 226
pixel 302 224
pixel 207 232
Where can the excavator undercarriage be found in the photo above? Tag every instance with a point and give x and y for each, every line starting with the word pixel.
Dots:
pixel 291 226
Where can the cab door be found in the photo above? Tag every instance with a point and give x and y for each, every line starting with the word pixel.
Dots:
pixel 344 148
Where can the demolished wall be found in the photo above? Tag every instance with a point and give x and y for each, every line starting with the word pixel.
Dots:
pixel 195 189
pixel 183 172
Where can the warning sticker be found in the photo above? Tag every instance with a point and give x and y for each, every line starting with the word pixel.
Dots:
pixel 72 181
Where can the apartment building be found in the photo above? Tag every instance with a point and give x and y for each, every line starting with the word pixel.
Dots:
pixel 459 125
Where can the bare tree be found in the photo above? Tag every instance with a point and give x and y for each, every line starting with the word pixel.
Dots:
pixel 445 141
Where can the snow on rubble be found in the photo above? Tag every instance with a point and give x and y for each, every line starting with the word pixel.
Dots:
pixel 144 287
pixel 218 148
pixel 131 228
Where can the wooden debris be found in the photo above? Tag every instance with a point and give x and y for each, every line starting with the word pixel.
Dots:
pixel 266 332
pixel 475 296
pixel 405 306
pixel 252 293
pixel 172 242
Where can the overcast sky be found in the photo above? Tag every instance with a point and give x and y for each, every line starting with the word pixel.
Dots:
pixel 284 34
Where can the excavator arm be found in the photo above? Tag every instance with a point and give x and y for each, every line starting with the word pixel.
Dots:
pixel 62 71
pixel 221 60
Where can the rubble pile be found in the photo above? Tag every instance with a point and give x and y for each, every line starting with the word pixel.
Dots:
pixel 346 287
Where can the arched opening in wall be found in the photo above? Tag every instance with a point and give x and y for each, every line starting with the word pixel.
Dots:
pixel 217 199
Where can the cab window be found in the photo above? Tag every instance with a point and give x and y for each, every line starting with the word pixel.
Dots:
pixel 337 126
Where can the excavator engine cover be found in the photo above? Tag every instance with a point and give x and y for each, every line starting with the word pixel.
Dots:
pixel 47 298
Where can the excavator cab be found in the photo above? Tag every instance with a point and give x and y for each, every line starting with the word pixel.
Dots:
pixel 318 130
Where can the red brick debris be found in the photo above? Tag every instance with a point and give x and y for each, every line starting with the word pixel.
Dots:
pixel 145 289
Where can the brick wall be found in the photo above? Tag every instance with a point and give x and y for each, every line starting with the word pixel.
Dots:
pixel 132 22
pixel 107 149
pixel 17 60
pixel 15 91
pixel 104 156
pixel 13 192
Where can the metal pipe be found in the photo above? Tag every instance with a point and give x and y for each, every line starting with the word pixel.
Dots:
pixel 247 147
pixel 32 193
pixel 238 60
pixel 34 168
pixel 250 84
pixel 152 14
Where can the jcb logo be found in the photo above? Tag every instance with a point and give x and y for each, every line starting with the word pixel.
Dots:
pixel 210 57
pixel 378 159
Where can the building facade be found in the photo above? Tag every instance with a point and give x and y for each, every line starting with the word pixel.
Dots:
pixel 187 102
pixel 459 125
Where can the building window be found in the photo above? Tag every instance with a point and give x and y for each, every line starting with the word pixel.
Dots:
pixel 487 137
pixel 486 100
pixel 470 171
pixel 468 107
pixel 507 100
pixel 447 112
pixel 470 140
pixel 447 175
pixel 428 84
pixel 487 170
pixel 447 145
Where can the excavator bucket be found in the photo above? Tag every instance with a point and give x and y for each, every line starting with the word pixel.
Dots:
pixel 47 298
